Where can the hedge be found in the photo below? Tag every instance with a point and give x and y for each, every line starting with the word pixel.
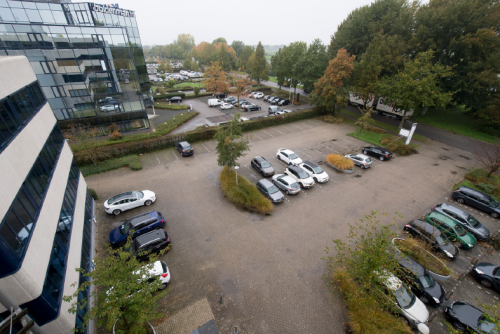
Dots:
pixel 192 96
pixel 167 96
pixel 171 106
pixel 131 161
pixel 103 119
pixel 155 143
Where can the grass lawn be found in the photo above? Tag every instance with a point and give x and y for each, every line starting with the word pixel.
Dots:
pixel 131 161
pixel 273 79
pixel 455 120
pixel 369 136
pixel 189 84
pixel 171 106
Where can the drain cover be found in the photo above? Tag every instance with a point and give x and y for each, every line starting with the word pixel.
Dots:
pixel 358 175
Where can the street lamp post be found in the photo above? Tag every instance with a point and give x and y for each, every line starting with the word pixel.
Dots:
pixel 236 169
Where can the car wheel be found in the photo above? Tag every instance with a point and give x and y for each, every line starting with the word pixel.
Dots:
pixel 315 180
pixel 364 152
pixel 163 286
pixel 485 283
pixel 279 157
pixel 459 326
pixel 287 192
pixel 460 200
pixel 381 158
pixel 290 163
pixel 122 243
pixel 424 299
pixel 117 212
pixel 148 202
pixel 494 214
pixel 362 166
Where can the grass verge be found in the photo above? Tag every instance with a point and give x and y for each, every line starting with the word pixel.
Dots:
pixel 371 137
pixel 243 194
pixel 457 121
pixel 171 106
pixel 420 252
pixel 478 179
pixel 190 85
pixel 131 161
pixel 285 94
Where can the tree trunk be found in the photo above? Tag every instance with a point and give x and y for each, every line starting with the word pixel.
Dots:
pixel 424 111
pixel 333 110
pixel 402 121
pixel 125 321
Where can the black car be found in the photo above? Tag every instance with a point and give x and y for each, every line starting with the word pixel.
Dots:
pixel 235 103
pixel 270 191
pixel 175 99
pixel 284 102
pixel 230 99
pixel 377 152
pixel 464 316
pixel 420 282
pixel 433 236
pixel 184 148
pixel 140 224
pixel 266 97
pixel 305 90
pixel 276 100
pixel 468 221
pixel 478 200
pixel 488 275
pixel 152 242
pixel 271 98
pixel 220 95
pixel 244 103
pixel 251 107
pixel 262 166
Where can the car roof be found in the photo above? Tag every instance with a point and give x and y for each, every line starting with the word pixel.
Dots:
pixel 361 155
pixel 121 196
pixel 454 209
pixel 298 169
pixel 259 158
pixel 144 217
pixel 183 143
pixel 378 147
pixel 474 192
pixel 287 178
pixel 284 150
pixel 266 183
pixel 427 227
pixel 150 236
pixel 312 164
pixel 411 265
pixel 443 218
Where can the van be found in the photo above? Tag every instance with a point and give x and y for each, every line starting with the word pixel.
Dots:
pixel 214 102
pixel 274 109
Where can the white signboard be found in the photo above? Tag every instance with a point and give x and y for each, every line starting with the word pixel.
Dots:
pixel 408 133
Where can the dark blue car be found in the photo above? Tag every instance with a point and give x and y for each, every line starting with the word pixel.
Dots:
pixel 141 224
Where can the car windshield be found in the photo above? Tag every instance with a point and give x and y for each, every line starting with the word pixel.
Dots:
pixel 426 280
pixel 303 175
pixel 472 220
pixel 125 228
pixel 294 185
pixel 404 297
pixel 272 189
pixel 292 155
pixel 186 147
pixel 265 164
pixel 494 202
pixel 486 326
pixel 440 240
pixel 317 170
pixel 137 194
pixel 460 230
pixel 368 160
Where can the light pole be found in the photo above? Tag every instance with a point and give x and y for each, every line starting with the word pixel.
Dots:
pixel 290 92
pixel 236 169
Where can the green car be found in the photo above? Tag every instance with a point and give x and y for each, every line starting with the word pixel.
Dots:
pixel 451 229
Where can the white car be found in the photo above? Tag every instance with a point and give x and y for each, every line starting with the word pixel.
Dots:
pixel 300 175
pixel 288 156
pixel 286 183
pixel 279 112
pixel 315 171
pixel 288 111
pixel 360 160
pixel 128 200
pixel 408 304
pixel 251 94
pixel 226 106
pixel 109 107
pixel 258 95
pixel 126 81
pixel 161 271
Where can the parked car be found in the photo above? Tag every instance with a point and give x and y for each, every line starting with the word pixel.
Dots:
pixel 270 98
pixel 465 317
pixel 478 200
pixel 433 237
pixel 226 106
pixel 277 100
pixel 279 112
pixel 420 282
pixel 360 160
pixel 141 224
pixel 252 95
pixel 451 229
pixel 107 100
pixel 302 178
pixel 110 107
pixel 288 156
pixel 214 102
pixel 270 191
pixel 184 148
pixel 286 111
pixel 273 110
pixel 128 200
pixel 284 102
pixel 468 221
pixel 220 95
pixel 251 107
pixel 377 152
pixel 286 183
pixel 262 166
pixel 235 103
pixel 152 242
pixel 244 103
pixel 266 97
pixel 175 99
pixel 230 99
pixel 315 171
pixel 258 95
pixel 487 274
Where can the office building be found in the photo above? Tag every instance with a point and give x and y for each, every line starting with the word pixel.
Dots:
pixel 87 57
pixel 46 211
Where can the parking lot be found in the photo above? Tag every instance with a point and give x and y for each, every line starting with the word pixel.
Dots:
pixel 269 268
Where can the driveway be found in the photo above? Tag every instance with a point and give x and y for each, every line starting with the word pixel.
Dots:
pixel 269 268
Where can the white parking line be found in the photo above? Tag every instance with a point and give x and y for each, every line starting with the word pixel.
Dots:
pixel 267 133
pixel 205 148
pixel 159 163
pixel 257 136
pixel 296 126
pixel 304 123
pixel 174 156
pixel 278 130
pixel 286 127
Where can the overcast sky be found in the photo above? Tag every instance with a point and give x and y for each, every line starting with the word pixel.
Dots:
pixel 271 22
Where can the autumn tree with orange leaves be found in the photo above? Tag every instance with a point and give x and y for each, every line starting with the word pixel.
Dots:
pixel 331 89
pixel 239 84
pixel 215 79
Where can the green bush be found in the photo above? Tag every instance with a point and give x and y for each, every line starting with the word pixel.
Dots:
pixel 398 146
pixel 375 129
pixel 192 96
pixel 171 106
pixel 332 119
pixel 196 91
pixel 132 161
pixel 477 175
pixel 167 96
pixel 487 188
pixel 244 194
pixel 93 194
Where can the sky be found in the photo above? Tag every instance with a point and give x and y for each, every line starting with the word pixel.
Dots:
pixel 270 22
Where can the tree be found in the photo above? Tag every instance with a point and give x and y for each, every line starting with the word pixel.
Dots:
pixel 225 58
pixel 259 66
pixel 123 290
pixel 171 83
pixel 219 40
pixel 292 54
pixel 88 138
pixel 366 120
pixel 488 156
pixel 238 47
pixel 239 84
pixel 366 76
pixel 245 55
pixel 419 83
pixel 312 64
pixel 215 79
pixel 165 67
pixel 277 66
pixel 185 41
pixel 186 64
pixel 230 143
pixel 331 90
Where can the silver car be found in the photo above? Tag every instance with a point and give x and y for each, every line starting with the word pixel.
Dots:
pixel 286 183
pixel 360 160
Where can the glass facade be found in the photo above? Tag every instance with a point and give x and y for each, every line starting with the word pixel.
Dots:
pixel 81 54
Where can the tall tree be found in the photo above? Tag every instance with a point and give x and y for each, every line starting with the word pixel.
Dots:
pixel 239 84
pixel 215 79
pixel 225 58
pixel 245 54
pixel 331 89
pixel 313 64
pixel 260 66
pixel 238 47
pixel 365 78
pixel 278 67
pixel 185 41
pixel 292 55
pixel 219 40
pixel 231 144
pixel 186 64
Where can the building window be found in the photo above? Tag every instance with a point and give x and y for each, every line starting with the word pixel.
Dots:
pixel 53 287
pixel 84 106
pixel 58 91
pixel 48 67
pixel 73 78
pixel 17 109
pixel 78 92
pixel 17 225
pixel 68 62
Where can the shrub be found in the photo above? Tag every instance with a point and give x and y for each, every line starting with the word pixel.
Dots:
pixel 477 175
pixel 332 119
pixel 398 146
pixel 115 135
pixel 339 161
pixel 171 106
pixel 192 96
pixel 375 129
pixel 167 96
pixel 132 161
pixel 244 194
pixel 487 188
pixel 421 252
pixel 93 194
pixel 196 91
